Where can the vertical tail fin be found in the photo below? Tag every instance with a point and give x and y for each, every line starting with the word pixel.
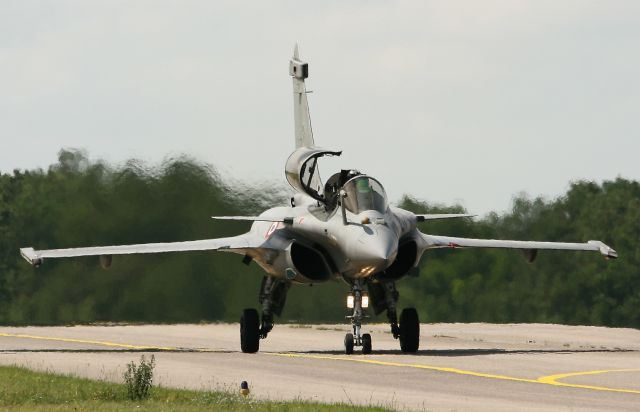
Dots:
pixel 299 71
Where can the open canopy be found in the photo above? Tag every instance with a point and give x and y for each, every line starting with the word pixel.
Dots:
pixel 302 173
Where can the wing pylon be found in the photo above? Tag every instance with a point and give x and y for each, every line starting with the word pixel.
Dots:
pixel 288 220
pixel 438 216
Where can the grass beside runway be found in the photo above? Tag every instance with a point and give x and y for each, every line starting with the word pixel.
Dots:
pixel 22 389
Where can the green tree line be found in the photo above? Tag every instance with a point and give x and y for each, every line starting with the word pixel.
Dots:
pixel 77 202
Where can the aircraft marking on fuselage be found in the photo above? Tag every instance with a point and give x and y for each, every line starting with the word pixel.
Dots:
pixel 272 229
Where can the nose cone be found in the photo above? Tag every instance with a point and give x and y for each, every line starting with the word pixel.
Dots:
pixel 377 250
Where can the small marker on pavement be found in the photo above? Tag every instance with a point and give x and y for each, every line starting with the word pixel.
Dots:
pixel 244 388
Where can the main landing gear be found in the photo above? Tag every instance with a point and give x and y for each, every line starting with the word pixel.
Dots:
pixel 273 294
pixel 409 330
pixel 250 331
pixel 384 296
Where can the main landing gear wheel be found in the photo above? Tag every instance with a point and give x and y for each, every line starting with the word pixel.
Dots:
pixel 348 343
pixel 250 331
pixel 366 344
pixel 409 330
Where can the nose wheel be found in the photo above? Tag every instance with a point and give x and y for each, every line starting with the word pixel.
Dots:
pixel 357 301
pixel 348 343
pixel 366 344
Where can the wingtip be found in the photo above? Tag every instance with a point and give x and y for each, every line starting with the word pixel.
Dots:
pixel 31 256
pixel 606 251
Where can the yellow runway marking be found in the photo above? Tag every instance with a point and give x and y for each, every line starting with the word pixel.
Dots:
pixel 546 380
pixel 91 342
pixel 407 365
pixel 553 380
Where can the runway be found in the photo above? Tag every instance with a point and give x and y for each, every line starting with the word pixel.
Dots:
pixel 459 366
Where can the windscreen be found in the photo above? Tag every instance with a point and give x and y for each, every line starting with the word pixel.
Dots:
pixel 364 193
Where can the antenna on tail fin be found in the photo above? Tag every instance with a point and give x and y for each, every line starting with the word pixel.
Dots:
pixel 299 71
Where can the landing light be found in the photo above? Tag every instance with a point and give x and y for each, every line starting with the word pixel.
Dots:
pixel 350 301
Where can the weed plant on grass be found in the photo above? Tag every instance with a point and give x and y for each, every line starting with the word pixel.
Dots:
pixel 21 389
pixel 138 379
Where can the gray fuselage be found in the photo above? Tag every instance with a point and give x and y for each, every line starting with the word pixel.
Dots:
pixel 314 247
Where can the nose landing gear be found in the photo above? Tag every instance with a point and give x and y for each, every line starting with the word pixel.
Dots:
pixel 358 302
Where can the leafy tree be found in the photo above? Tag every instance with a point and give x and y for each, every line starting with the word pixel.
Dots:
pixel 79 202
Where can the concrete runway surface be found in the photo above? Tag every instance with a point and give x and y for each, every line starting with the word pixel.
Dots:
pixel 459 366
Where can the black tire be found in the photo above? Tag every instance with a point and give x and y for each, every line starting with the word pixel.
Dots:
pixel 348 343
pixel 250 331
pixel 409 330
pixel 366 344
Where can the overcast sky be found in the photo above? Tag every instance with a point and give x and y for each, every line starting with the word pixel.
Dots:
pixel 449 101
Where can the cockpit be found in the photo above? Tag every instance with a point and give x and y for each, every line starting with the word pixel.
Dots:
pixel 362 192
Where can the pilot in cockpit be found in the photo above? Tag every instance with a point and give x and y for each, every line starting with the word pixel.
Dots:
pixel 364 193
pixel 361 192
pixel 333 185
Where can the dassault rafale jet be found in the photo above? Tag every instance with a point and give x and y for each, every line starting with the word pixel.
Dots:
pixel 342 229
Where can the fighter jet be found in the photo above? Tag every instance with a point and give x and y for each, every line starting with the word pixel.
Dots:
pixel 342 229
